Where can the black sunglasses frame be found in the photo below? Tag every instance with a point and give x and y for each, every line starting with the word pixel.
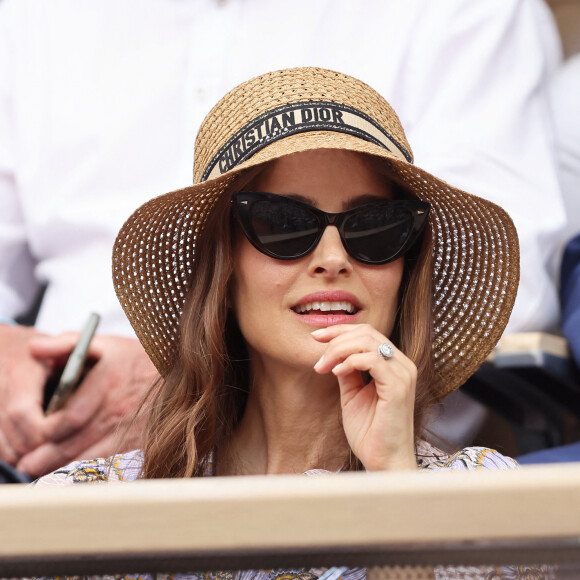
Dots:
pixel 418 212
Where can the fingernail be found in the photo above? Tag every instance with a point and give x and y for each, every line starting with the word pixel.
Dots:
pixel 337 368
pixel 318 331
pixel 319 363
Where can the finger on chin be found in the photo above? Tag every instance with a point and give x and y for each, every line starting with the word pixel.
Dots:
pixel 329 332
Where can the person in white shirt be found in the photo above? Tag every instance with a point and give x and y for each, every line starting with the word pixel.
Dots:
pixel 99 104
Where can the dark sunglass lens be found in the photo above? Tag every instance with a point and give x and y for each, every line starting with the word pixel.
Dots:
pixel 284 229
pixel 376 233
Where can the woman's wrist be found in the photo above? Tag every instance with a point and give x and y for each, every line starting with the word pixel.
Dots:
pixel 403 462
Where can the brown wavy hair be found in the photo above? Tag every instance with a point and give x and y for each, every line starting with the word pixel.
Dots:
pixel 196 407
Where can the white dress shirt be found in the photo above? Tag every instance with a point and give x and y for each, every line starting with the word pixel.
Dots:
pixel 100 103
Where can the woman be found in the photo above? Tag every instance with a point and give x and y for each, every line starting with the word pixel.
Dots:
pixel 311 296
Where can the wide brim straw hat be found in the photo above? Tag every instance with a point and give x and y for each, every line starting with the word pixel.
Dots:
pixel 476 257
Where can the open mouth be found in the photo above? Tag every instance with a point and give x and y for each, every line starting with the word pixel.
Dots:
pixel 336 308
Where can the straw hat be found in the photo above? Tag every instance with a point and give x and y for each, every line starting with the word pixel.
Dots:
pixel 476 259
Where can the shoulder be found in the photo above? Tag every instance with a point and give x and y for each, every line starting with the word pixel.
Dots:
pixel 467 459
pixel 122 467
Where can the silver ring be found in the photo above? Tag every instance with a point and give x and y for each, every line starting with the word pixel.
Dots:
pixel 386 350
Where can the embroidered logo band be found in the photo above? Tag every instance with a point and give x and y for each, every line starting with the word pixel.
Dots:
pixel 298 118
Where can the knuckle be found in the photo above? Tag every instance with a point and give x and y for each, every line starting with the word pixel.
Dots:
pixel 69 335
pixel 62 454
pixel 9 456
pixel 366 329
pixel 74 420
pixel 7 453
pixel 17 411
pixel 124 408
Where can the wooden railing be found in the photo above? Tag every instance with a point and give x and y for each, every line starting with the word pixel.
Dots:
pixel 423 518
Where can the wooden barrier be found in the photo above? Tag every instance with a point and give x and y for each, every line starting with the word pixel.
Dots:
pixel 355 519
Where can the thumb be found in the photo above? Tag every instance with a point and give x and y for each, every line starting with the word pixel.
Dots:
pixel 53 346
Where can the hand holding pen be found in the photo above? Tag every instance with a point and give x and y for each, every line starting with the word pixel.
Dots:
pixel 99 413
pixel 21 423
pixel 75 365
pixel 118 375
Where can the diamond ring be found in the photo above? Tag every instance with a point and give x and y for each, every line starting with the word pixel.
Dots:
pixel 386 350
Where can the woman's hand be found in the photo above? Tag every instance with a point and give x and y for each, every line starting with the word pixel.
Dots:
pixel 377 417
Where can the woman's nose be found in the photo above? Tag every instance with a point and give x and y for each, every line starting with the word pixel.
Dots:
pixel 329 257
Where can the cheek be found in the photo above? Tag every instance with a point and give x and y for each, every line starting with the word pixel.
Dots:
pixel 259 300
pixel 246 271
pixel 257 281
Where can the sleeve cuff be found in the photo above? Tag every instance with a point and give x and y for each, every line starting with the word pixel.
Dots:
pixel 6 320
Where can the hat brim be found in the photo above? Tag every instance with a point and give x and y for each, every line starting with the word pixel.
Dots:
pixel 476 259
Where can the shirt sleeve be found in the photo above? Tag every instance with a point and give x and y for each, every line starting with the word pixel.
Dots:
pixel 473 459
pixel 479 117
pixel 118 468
pixel 17 284
pixel 564 91
pixel 85 471
pixel 570 295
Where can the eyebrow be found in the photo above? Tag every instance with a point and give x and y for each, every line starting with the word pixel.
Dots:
pixel 352 202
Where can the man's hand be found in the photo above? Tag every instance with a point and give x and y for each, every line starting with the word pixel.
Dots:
pixel 89 425
pixel 22 380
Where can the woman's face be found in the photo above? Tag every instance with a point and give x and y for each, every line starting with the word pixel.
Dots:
pixel 277 302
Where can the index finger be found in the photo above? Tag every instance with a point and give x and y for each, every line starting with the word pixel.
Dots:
pixel 22 416
pixel 327 333
pixel 82 406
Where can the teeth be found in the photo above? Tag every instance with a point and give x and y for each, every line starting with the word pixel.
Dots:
pixel 325 306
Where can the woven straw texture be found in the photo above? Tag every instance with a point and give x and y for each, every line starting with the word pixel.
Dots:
pixel 476 253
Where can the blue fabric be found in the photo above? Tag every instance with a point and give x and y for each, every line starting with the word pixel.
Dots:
pixel 570 296
pixel 570 299
pixel 560 454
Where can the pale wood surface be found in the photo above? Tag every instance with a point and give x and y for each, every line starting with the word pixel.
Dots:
pixel 531 343
pixel 534 341
pixel 354 509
